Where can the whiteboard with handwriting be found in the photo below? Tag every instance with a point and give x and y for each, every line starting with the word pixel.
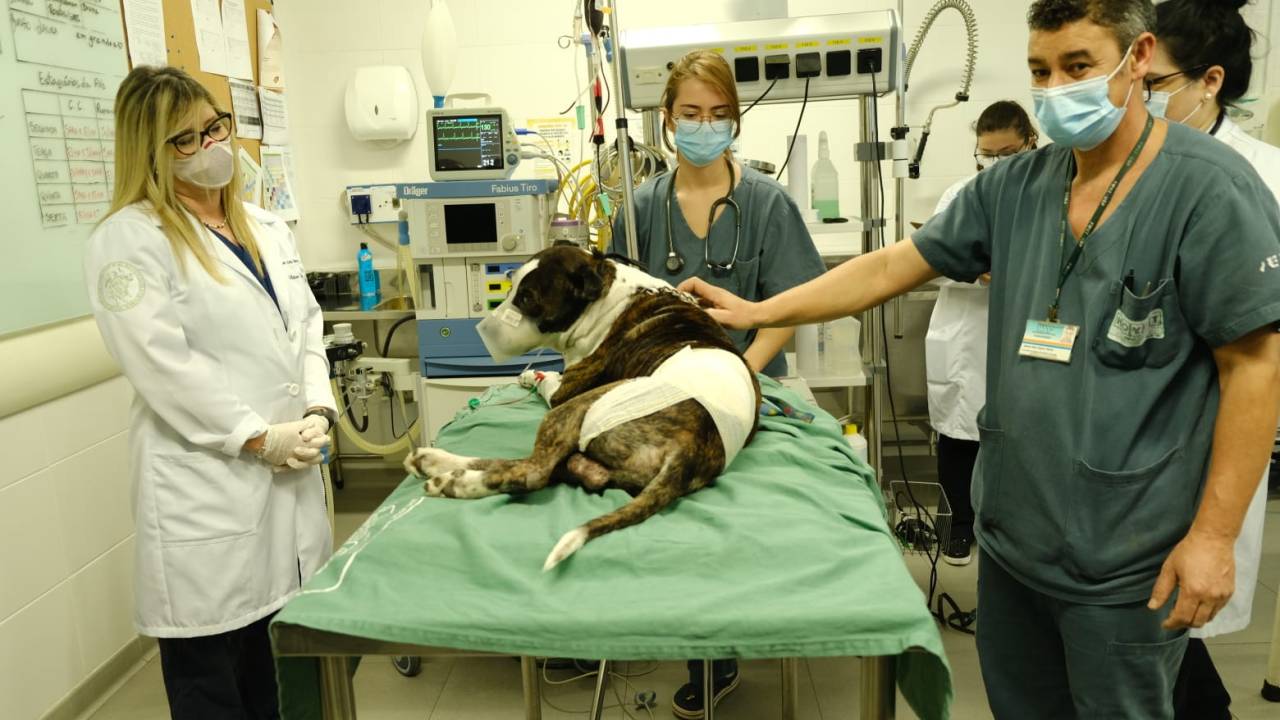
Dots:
pixel 60 64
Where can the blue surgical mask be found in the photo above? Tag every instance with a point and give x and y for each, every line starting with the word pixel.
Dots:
pixel 1080 115
pixel 702 142
pixel 1158 103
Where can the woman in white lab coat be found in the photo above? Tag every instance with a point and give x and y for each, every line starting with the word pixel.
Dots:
pixel 203 302
pixel 956 344
pixel 1202 66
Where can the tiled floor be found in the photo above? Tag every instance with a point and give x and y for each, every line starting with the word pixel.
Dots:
pixel 482 689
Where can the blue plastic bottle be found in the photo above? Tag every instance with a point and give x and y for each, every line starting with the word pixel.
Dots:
pixel 368 278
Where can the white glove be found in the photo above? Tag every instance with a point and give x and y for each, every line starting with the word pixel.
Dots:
pixel 281 440
pixel 310 451
pixel 319 422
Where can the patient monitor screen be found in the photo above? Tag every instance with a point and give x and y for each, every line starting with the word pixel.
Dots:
pixel 470 223
pixel 468 142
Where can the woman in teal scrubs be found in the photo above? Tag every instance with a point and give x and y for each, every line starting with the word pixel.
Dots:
pixel 712 217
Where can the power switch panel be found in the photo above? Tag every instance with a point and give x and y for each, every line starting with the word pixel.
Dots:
pixel 746 69
pixel 808 64
pixel 373 204
pixel 839 63
pixel 777 67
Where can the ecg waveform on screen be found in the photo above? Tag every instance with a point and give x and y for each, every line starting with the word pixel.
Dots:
pixel 468 143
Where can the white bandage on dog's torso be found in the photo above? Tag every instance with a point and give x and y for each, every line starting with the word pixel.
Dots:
pixel 717 379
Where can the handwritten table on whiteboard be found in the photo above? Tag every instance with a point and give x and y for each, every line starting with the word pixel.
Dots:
pixel 73 151
pixel 70 60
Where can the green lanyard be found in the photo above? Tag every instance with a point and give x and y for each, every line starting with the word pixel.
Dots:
pixel 1066 267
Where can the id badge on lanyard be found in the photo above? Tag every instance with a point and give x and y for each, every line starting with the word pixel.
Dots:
pixel 1046 340
pixel 1050 339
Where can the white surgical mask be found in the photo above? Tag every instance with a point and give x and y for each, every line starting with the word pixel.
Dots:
pixel 210 168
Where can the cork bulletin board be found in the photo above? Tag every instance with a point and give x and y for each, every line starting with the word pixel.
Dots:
pixel 180 36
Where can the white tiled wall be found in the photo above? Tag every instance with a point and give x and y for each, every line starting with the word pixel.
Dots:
pixel 66 560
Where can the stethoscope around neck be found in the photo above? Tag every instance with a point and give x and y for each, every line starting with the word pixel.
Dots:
pixel 675 262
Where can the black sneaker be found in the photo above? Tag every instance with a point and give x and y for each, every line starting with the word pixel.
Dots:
pixel 959 551
pixel 687 703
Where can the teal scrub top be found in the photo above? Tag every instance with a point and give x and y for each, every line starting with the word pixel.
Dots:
pixel 775 253
pixel 1090 472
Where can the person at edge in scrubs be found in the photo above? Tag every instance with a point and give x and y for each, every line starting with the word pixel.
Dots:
pixel 1133 371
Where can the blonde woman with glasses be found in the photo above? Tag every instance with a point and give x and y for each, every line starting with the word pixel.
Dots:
pixel 203 301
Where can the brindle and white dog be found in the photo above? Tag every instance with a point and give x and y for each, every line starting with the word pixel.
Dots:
pixel 613 324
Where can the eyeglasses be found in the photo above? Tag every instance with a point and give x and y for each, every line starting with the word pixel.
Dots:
pixel 189 142
pixel 1150 85
pixel 700 117
pixel 986 158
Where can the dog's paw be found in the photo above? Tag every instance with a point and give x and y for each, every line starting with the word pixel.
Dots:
pixel 460 484
pixel 447 475
pixel 434 462
pixel 530 378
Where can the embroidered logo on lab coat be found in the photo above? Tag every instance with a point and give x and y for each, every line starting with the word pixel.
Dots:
pixel 121 286
pixel 1134 333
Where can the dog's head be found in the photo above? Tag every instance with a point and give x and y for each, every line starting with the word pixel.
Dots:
pixel 558 284
pixel 548 295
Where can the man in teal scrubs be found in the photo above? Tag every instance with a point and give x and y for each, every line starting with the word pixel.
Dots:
pixel 1133 372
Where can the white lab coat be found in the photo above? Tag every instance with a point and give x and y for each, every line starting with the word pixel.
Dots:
pixel 1248 552
pixel 221 542
pixel 956 351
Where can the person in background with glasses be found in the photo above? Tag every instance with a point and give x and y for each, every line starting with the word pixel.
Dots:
pixel 202 300
pixel 1202 65
pixel 713 218
pixel 956 344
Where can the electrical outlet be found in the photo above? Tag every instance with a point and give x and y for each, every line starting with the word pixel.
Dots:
pixel 373 204
pixel 869 61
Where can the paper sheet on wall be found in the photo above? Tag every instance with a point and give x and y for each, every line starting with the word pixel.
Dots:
pixel 250 179
pixel 211 39
pixel 277 190
pixel 144 24
pixel 270 52
pixel 557 132
pixel 275 117
pixel 239 63
pixel 290 170
pixel 244 104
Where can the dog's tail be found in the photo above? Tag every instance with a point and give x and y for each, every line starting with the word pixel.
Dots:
pixel 659 493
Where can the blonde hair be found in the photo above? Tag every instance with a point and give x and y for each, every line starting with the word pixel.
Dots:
pixel 152 105
pixel 711 68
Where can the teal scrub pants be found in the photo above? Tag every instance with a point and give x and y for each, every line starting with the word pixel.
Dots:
pixel 1049 659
